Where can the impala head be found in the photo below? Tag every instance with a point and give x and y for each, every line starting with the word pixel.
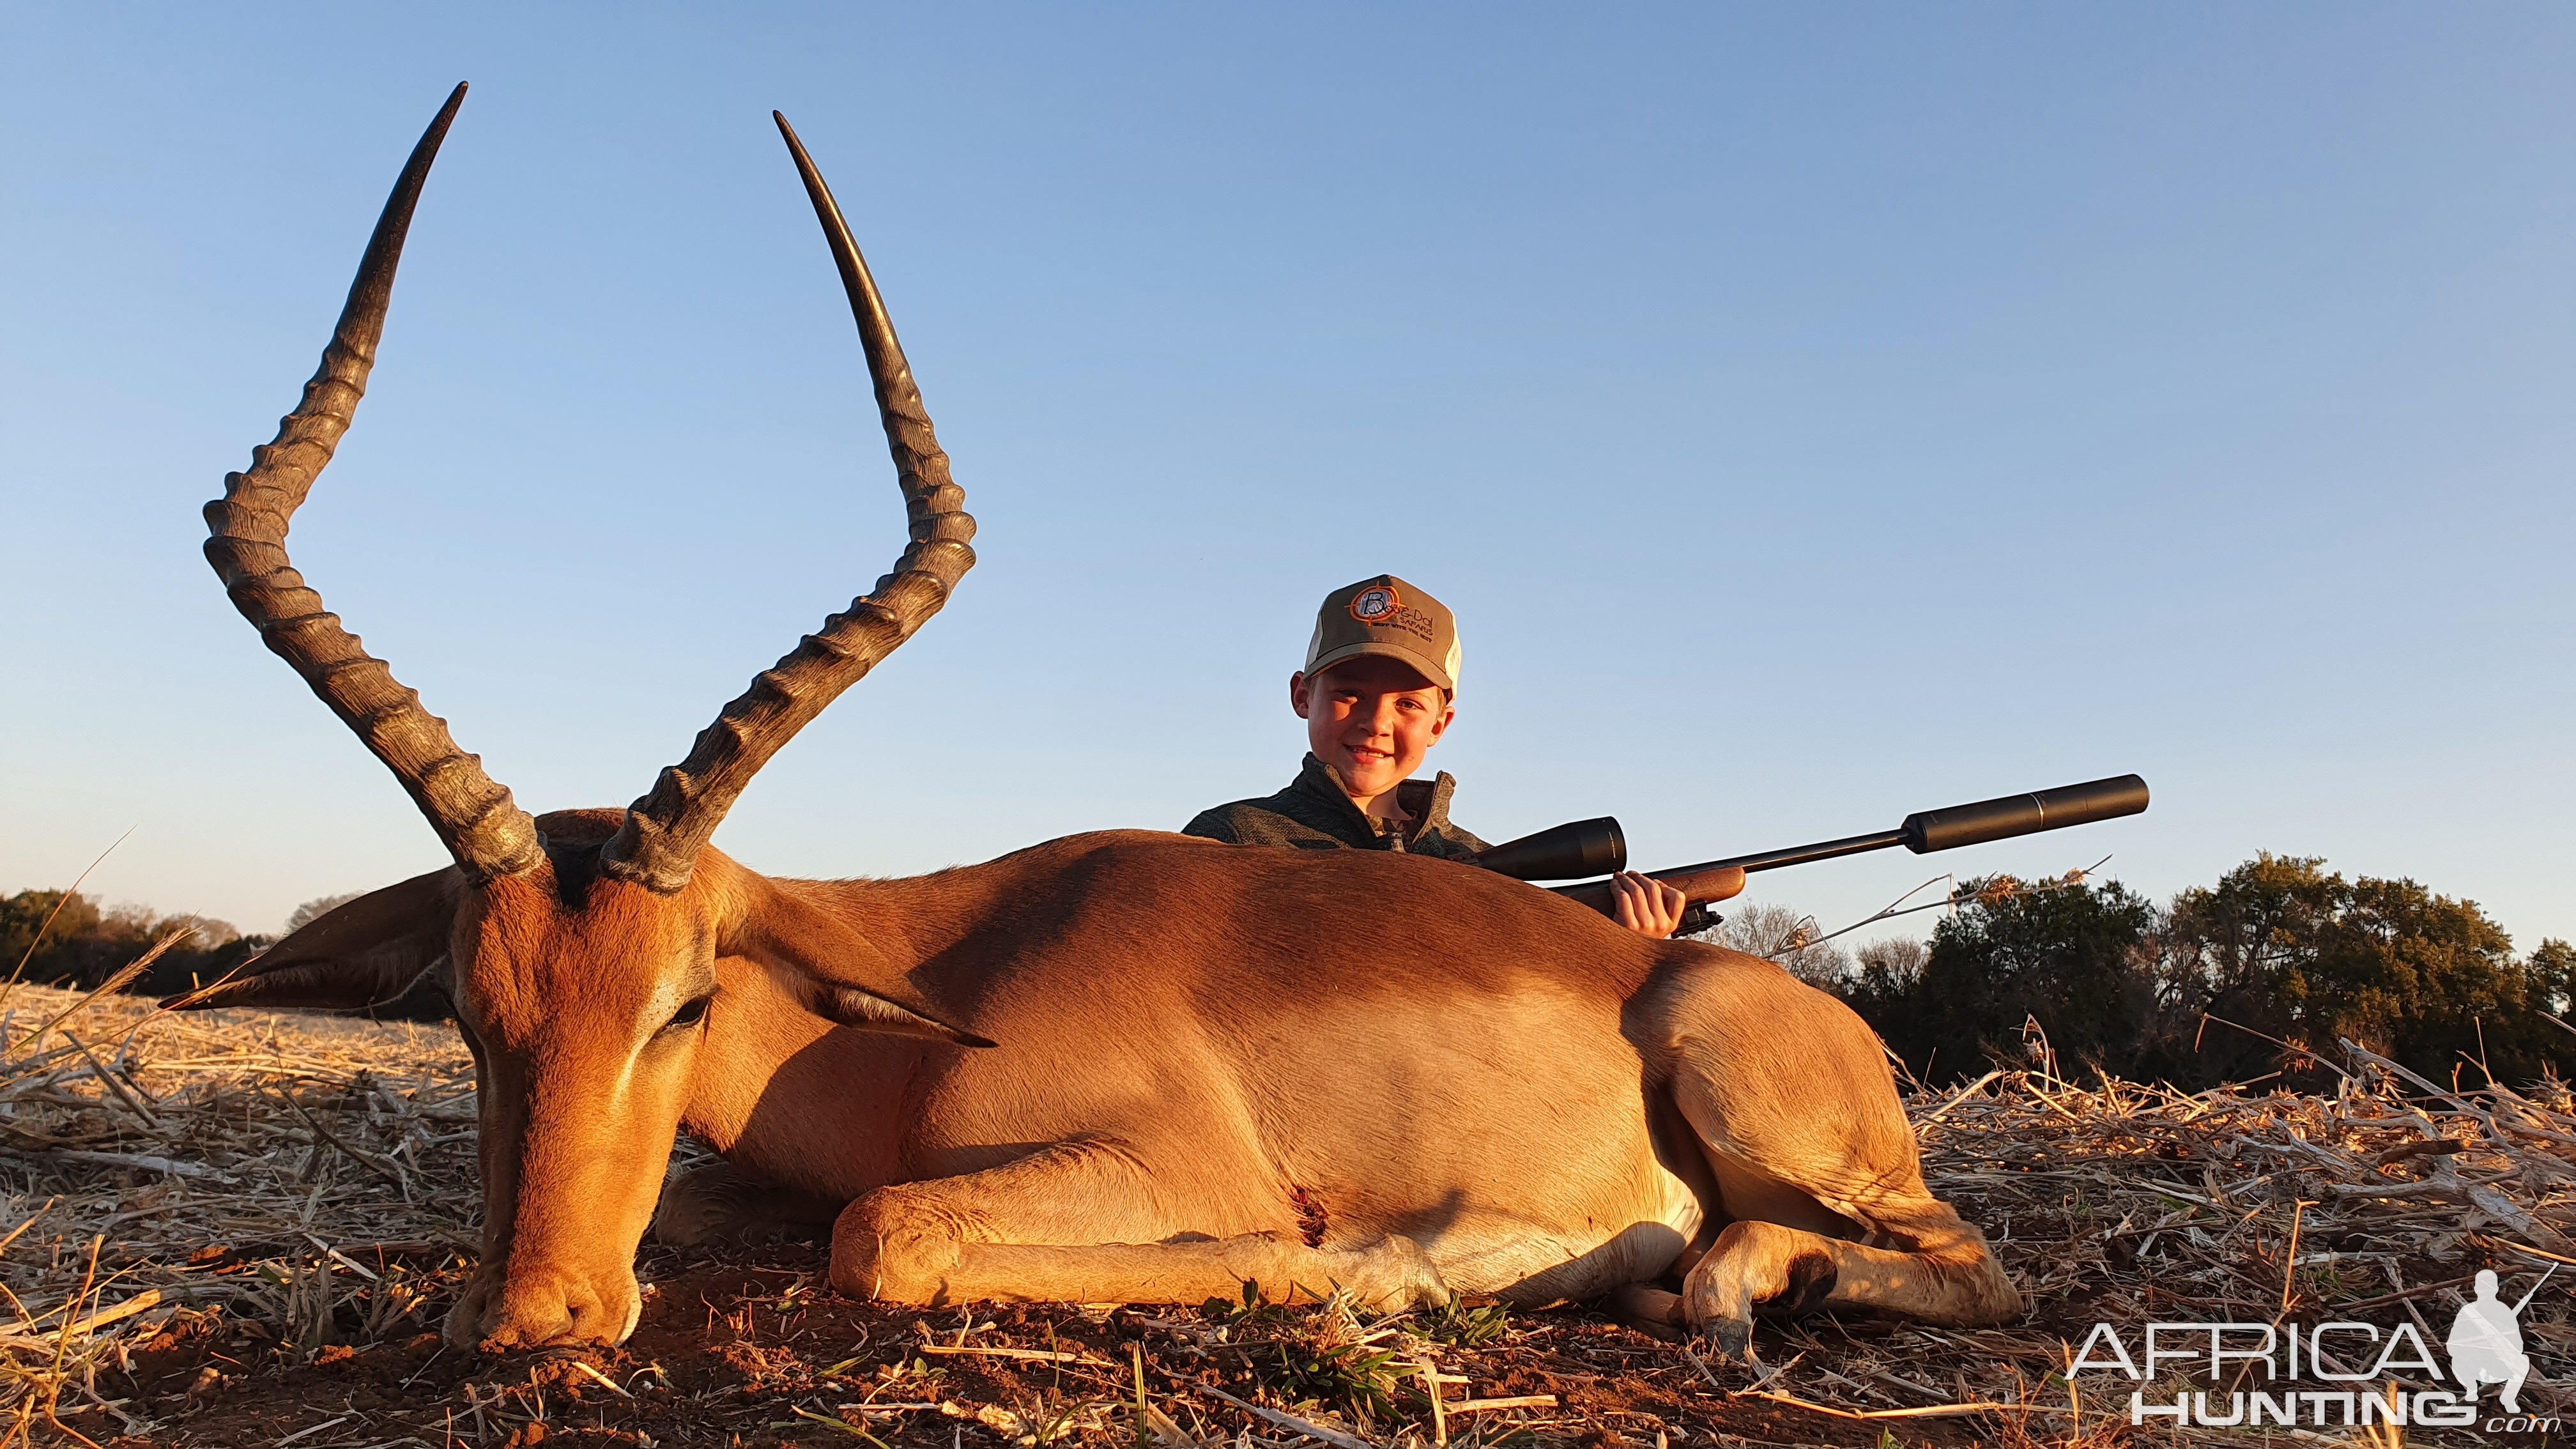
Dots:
pixel 579 947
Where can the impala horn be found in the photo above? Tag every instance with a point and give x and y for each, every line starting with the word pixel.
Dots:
pixel 658 844
pixel 473 813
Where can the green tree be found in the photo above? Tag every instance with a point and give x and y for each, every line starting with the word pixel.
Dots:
pixel 2066 954
pixel 85 944
pixel 25 914
pixel 2239 952
pixel 2286 948
pixel 2553 976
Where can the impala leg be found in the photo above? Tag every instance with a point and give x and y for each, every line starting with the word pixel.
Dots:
pixel 1788 1252
pixel 1948 1279
pixel 721 1203
pixel 1790 1098
pixel 1648 1309
pixel 1049 1228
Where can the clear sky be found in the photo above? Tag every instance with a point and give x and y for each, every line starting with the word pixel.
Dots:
pixel 1814 413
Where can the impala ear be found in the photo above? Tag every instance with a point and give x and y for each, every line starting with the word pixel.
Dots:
pixel 362 954
pixel 830 965
pixel 849 1006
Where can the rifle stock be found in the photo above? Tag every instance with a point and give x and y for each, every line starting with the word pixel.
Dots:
pixel 1699 885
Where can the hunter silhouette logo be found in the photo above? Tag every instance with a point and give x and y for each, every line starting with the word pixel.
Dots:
pixel 2486 1342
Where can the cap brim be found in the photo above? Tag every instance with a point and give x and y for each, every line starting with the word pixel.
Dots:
pixel 1416 661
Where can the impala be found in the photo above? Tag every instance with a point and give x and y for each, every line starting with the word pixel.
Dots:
pixel 1125 1066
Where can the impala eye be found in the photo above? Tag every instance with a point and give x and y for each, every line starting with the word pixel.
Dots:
pixel 689 1015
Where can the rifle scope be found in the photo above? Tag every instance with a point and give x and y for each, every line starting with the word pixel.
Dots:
pixel 1561 852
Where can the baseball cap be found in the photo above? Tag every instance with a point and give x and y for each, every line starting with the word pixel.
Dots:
pixel 1386 616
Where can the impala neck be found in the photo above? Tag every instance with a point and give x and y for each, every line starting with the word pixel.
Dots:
pixel 787 1096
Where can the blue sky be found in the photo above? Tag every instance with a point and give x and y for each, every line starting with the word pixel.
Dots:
pixel 1813 413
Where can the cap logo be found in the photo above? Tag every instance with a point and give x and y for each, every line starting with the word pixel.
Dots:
pixel 1376 604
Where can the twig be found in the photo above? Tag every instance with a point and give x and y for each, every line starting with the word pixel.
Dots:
pixel 353 1154
pixel 1046 1355
pixel 123 1093
pixel 844 1425
pixel 1936 1411
pixel 29 1223
pixel 122 978
pixel 2425 1290
pixel 91 1323
pixel 1955 898
pixel 1960 1096
pixel 1310 1429
pixel 2290 1269
pixel 142 1161
pixel 2522 1248
pixel 1698 1363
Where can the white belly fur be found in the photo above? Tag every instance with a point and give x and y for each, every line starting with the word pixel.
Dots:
pixel 1532 1264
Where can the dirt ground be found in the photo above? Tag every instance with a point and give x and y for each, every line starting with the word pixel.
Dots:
pixel 749 1351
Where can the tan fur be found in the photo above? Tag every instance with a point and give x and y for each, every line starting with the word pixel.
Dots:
pixel 1214 1065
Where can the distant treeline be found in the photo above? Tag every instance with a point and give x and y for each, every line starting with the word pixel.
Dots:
pixel 2226 983
pixel 2259 974
pixel 76 942
pixel 68 939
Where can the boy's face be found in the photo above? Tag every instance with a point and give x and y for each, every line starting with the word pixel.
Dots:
pixel 1372 719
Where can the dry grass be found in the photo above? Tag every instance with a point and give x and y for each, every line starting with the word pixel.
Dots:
pixel 300 1177
pixel 262 1195
pixel 2134 1204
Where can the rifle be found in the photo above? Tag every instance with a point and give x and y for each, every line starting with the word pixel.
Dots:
pixel 1598 847
pixel 2535 1289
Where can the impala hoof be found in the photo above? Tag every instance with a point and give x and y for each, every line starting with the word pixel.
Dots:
pixel 1729 1340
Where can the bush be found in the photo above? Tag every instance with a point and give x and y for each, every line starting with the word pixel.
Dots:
pixel 2066 954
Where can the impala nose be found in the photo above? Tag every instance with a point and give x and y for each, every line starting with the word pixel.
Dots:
pixel 543 1305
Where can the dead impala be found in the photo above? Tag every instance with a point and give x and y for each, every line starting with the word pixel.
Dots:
pixel 1124 1067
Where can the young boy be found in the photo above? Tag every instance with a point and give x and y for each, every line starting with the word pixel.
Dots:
pixel 1376 694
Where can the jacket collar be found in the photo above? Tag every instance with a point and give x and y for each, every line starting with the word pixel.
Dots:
pixel 1427 801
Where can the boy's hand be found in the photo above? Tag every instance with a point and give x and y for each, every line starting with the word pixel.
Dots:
pixel 1648 907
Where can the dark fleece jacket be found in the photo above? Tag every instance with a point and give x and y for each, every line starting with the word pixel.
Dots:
pixel 1315 813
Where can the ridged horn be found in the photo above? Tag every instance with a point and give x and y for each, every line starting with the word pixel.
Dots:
pixel 658 844
pixel 474 816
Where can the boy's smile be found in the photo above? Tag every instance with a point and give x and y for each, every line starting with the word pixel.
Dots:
pixel 1372 719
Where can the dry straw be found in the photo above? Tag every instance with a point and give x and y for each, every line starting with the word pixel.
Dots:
pixel 170 1150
